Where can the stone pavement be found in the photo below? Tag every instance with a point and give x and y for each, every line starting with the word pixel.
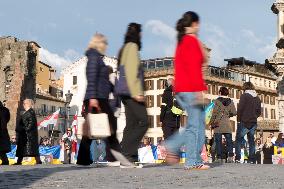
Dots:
pixel 227 176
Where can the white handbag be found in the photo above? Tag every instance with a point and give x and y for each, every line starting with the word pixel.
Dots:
pixel 99 125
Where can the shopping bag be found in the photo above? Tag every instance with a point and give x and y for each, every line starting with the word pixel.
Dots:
pixel 83 128
pixel 145 155
pixel 99 125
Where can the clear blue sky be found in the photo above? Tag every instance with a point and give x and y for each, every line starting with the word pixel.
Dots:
pixel 63 27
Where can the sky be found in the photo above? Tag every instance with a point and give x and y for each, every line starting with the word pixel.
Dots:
pixel 63 28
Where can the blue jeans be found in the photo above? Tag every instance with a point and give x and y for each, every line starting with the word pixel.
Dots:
pixel 193 137
pixel 240 141
pixel 229 143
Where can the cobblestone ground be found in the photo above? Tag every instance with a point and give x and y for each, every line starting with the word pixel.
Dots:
pixel 227 176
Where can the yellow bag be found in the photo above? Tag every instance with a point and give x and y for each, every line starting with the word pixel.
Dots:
pixel 176 111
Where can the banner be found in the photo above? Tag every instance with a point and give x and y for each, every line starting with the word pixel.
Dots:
pixel 49 120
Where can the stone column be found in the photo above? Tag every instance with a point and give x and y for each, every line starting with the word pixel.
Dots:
pixel 277 61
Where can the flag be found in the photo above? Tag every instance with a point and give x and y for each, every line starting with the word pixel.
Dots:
pixel 49 120
pixel 74 125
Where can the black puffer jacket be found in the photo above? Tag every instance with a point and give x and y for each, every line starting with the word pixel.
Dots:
pixel 5 145
pixel 27 135
pixel 97 72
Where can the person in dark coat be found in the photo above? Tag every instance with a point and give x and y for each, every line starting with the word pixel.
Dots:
pixel 268 151
pixel 170 121
pixel 96 100
pixel 5 145
pixel 27 134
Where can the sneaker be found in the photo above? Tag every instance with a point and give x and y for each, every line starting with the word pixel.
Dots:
pixel 200 167
pixel 172 158
pixel 124 162
pixel 237 161
pixel 113 164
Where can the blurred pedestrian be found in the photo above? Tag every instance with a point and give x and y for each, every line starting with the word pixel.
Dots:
pixel 169 118
pixel 5 145
pixel 97 99
pixel 189 86
pixel 223 110
pixel 249 109
pixel 279 141
pixel 27 134
pixel 134 102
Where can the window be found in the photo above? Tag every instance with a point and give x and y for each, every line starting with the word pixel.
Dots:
pixel 214 89
pixel 273 114
pixel 151 65
pixel 261 97
pixel 159 64
pixel 149 85
pixel 44 108
pixel 272 100
pixel 209 89
pixel 266 99
pixel 231 93
pixel 53 108
pixel 74 80
pixel 159 140
pixel 262 113
pixel 159 100
pixel 238 94
pixel 150 101
pixel 151 140
pixel 266 113
pixel 151 121
pixel 162 83
pixel 158 121
pixel 168 63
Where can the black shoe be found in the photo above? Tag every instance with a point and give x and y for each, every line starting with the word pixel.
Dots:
pixel 5 163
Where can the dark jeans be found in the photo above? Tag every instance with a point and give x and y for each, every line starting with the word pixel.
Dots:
pixel 84 154
pixel 136 126
pixel 242 130
pixel 229 143
pixel 4 158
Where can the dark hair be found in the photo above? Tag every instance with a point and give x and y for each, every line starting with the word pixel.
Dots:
pixel 132 35
pixel 224 91
pixel 186 21
pixel 248 86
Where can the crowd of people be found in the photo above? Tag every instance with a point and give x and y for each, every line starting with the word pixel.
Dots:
pixel 184 93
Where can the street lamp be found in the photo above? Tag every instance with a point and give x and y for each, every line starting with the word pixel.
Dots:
pixel 68 96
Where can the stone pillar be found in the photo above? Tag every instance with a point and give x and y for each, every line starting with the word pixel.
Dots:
pixel 277 61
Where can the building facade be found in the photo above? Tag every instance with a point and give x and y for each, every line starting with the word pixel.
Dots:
pixel 237 71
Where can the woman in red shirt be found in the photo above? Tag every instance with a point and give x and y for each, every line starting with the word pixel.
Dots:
pixel 189 87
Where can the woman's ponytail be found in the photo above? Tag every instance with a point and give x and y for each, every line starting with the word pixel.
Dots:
pixel 186 21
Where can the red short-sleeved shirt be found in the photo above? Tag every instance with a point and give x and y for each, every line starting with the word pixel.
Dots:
pixel 188 66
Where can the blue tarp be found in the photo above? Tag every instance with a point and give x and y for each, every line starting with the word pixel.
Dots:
pixel 53 150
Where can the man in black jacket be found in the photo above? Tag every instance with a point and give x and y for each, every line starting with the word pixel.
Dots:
pixel 170 121
pixel 249 109
pixel 5 145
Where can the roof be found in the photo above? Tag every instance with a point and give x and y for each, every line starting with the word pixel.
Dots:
pixel 45 64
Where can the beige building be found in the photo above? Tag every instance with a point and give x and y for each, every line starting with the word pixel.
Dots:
pixel 232 76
